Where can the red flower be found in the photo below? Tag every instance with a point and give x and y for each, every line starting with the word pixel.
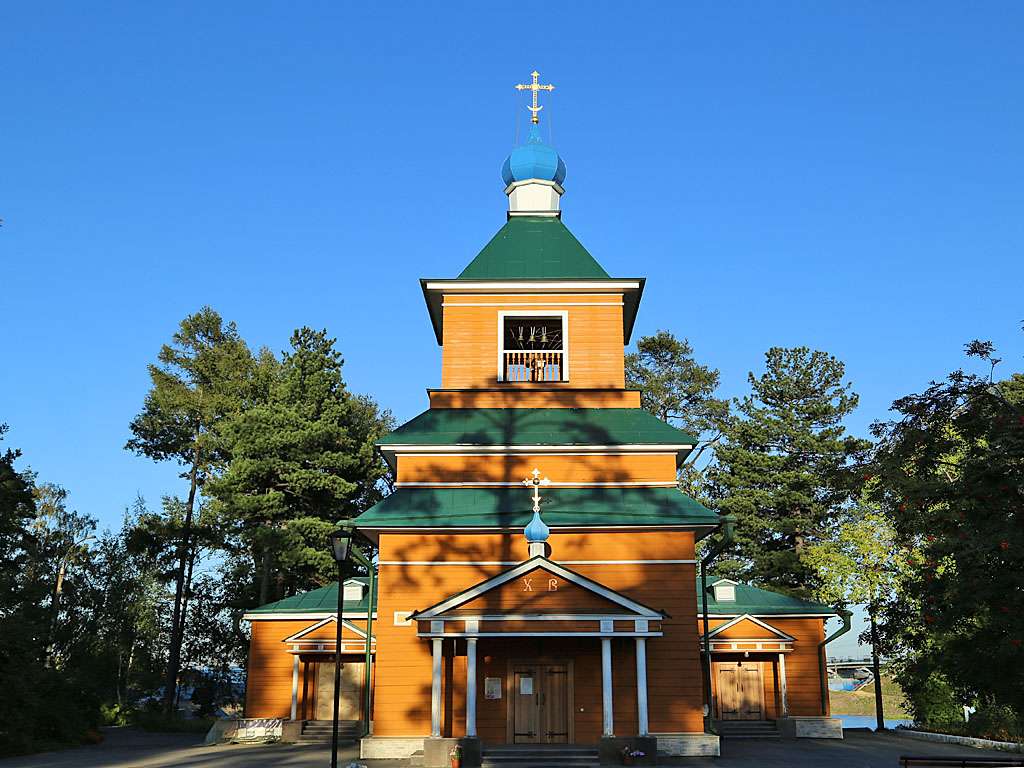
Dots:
pixel 931 538
pixel 1005 609
pixel 1015 640
pixel 867 477
pixel 902 507
pixel 1003 545
pixel 928 618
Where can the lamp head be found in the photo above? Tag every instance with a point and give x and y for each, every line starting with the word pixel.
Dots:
pixel 341 544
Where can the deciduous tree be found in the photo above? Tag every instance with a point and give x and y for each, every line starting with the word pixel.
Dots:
pixel 949 471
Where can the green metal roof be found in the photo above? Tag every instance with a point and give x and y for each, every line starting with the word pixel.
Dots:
pixel 512 508
pixel 759 602
pixel 323 600
pixel 536 426
pixel 532 247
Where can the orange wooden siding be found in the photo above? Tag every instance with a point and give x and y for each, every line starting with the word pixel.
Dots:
pixel 594 346
pixel 603 468
pixel 534 398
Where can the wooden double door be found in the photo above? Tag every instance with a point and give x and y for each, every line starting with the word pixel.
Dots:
pixel 740 690
pixel 350 702
pixel 540 703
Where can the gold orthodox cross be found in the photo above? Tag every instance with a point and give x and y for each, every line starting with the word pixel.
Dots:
pixel 534 86
pixel 536 482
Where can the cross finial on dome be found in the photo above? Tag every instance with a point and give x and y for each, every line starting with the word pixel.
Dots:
pixel 535 86
pixel 536 531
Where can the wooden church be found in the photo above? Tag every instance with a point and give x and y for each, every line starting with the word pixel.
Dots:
pixel 537 574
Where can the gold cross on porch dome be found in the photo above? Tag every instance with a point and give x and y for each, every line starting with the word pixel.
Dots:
pixel 536 482
pixel 535 87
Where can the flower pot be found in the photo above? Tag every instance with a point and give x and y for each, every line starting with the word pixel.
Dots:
pixel 627 761
pixel 456 761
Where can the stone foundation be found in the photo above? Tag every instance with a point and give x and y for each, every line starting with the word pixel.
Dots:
pixel 697 744
pixel 810 727
pixel 385 748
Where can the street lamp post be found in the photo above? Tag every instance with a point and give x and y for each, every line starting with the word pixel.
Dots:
pixel 342 550
pixel 58 588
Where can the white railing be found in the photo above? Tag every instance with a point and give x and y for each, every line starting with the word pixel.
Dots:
pixel 534 366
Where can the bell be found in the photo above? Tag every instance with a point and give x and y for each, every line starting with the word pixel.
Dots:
pixel 520 333
pixel 532 335
pixel 544 334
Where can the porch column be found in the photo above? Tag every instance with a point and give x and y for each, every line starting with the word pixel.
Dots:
pixel 782 684
pixel 606 685
pixel 471 687
pixel 641 686
pixel 435 692
pixel 295 685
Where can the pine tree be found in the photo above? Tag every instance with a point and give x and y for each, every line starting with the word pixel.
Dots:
pixel 302 461
pixel 679 390
pixel 776 469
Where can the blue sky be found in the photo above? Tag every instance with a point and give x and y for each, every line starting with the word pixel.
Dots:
pixel 845 176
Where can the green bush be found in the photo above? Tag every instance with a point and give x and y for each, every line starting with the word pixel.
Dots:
pixel 152 721
pixel 992 721
pixel 932 702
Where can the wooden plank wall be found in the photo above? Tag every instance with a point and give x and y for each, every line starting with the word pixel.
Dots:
pixel 803 680
pixel 533 398
pixel 674 685
pixel 594 339
pixel 574 468
pixel 268 689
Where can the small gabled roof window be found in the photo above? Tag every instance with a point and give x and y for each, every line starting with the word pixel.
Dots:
pixel 353 591
pixel 725 590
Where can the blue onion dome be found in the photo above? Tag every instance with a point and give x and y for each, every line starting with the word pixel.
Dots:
pixel 533 160
pixel 536 530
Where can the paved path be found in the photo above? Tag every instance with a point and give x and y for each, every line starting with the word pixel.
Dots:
pixel 857 749
pixel 125 748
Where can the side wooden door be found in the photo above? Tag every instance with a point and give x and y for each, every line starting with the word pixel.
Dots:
pixel 740 690
pixel 555 704
pixel 751 691
pixel 728 691
pixel 526 710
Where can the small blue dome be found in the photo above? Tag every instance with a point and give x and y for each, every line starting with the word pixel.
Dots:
pixel 536 530
pixel 533 160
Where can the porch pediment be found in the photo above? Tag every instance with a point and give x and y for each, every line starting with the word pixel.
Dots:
pixel 321 637
pixel 748 633
pixel 538 590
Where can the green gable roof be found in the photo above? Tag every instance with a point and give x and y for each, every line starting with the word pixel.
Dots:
pixel 533 250
pixel 512 508
pixel 323 600
pixel 533 247
pixel 759 602
pixel 536 426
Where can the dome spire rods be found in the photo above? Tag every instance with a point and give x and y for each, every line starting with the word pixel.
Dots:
pixel 535 87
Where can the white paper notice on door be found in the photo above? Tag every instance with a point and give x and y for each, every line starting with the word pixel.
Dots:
pixel 526 686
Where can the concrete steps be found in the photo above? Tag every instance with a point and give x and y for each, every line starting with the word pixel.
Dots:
pixel 321 731
pixel 748 729
pixel 540 756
